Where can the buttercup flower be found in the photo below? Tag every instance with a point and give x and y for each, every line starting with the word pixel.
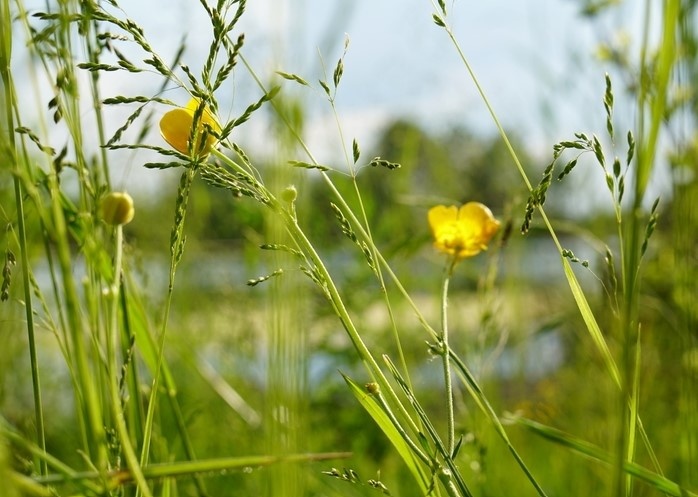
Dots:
pixel 175 128
pixel 462 232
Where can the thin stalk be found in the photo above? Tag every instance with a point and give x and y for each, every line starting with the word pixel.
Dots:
pixel 186 468
pixel 446 356
pixel 87 394
pixel 64 471
pixel 373 248
pixel 10 101
pixel 652 102
pixel 331 290
pixel 451 477
pixel 113 372
pixel 29 314
pixel 170 388
pixel 132 377
pixel 572 279
pixel 347 209
pixel 93 52
pixel 478 395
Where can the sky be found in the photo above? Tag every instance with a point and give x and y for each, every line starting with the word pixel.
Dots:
pixel 533 59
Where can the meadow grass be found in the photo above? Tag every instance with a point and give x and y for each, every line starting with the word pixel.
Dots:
pixel 343 368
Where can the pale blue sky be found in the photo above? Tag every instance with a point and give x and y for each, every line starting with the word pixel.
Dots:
pixel 533 58
pixel 529 56
pixel 401 63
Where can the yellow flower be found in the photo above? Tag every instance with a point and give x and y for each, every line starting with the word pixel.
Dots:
pixel 175 128
pixel 462 232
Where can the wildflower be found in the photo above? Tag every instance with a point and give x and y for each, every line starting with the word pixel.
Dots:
pixel 117 208
pixel 176 125
pixel 462 232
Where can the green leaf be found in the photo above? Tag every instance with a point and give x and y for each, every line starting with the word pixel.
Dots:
pixel 590 321
pixel 186 468
pixel 373 408
pixel 145 342
pixel 596 453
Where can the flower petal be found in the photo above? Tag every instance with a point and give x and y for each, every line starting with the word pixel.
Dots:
pixel 478 224
pixel 207 117
pixel 440 215
pixel 462 232
pixel 175 127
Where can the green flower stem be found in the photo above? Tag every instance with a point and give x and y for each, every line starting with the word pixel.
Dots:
pixel 478 395
pixel 630 266
pixel 372 246
pixel 86 393
pixel 451 476
pixel 335 298
pixel 29 313
pixel 113 372
pixel 446 356
pixel 446 479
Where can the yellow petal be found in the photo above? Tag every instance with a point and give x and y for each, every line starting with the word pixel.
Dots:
pixel 192 105
pixel 441 215
pixel 462 232
pixel 206 118
pixel 478 225
pixel 175 127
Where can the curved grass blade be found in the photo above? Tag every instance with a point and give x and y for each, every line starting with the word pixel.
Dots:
pixel 598 454
pixel 120 477
pixel 373 408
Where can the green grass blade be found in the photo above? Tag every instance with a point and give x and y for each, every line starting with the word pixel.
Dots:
pixel 374 409
pixel 120 477
pixel 452 479
pixel 598 454
pixel 590 321
pixel 658 98
pixel 634 402
pixel 480 399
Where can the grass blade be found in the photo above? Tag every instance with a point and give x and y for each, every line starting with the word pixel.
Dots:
pixel 598 454
pixel 374 409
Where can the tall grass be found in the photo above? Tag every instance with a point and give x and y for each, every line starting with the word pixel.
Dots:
pixel 124 415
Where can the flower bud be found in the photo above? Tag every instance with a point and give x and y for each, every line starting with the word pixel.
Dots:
pixel 373 388
pixel 289 194
pixel 117 208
